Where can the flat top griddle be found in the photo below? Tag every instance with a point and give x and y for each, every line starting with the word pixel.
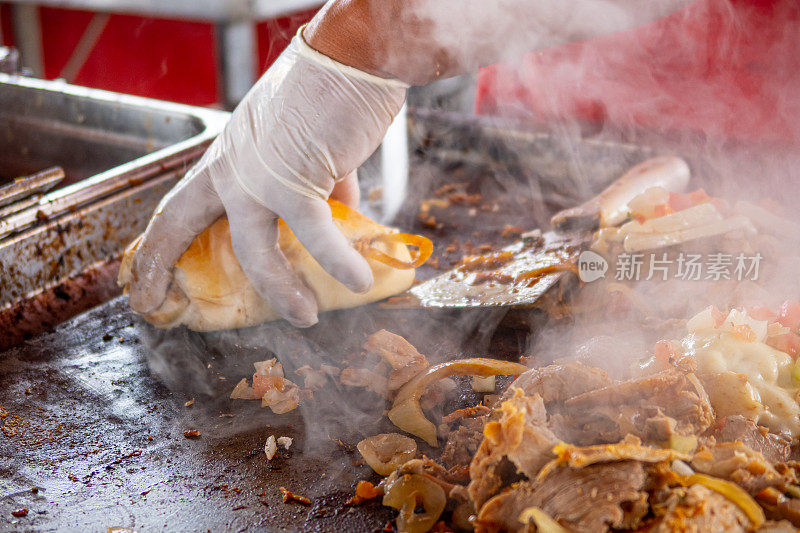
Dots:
pixel 78 413
pixel 79 404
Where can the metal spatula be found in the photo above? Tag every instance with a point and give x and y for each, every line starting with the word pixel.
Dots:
pixel 513 276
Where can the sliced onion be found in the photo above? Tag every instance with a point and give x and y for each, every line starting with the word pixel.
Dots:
pixel 544 522
pixel 732 492
pixel 702 320
pixel 644 204
pixel 582 456
pixel 738 320
pixel 282 401
pixel 386 452
pixel 271 367
pixel 406 412
pixel 243 391
pixel 423 244
pixel 536 273
pixel 406 493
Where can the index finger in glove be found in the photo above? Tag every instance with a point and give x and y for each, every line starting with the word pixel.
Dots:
pixel 184 213
pixel 312 223
pixel 254 236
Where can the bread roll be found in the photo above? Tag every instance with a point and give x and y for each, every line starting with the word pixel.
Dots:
pixel 211 292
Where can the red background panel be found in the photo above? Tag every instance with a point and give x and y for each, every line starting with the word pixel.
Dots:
pixel 5 25
pixel 723 68
pixel 166 59
pixel 274 36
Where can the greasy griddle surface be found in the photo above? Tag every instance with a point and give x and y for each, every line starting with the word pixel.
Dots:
pixel 78 411
pixel 80 403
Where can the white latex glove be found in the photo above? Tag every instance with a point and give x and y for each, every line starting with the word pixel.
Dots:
pixel 307 124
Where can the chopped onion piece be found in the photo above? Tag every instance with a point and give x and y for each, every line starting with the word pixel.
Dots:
pixel 737 321
pixel 386 452
pixel 286 442
pixel 405 493
pixel 312 379
pixel 702 320
pixel 775 329
pixel 364 377
pixel 330 370
pixel 269 368
pixel 243 391
pixel 681 468
pixel 682 443
pixel 544 522
pixel 406 412
pixel 483 384
pixel 644 204
pixel 282 401
pixel 270 447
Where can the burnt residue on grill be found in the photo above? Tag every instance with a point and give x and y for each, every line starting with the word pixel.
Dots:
pixel 29 317
pixel 101 442
pixel 94 412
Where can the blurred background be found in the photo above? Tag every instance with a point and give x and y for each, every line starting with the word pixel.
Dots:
pixel 722 68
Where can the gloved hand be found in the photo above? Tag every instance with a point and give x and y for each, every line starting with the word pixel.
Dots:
pixel 307 124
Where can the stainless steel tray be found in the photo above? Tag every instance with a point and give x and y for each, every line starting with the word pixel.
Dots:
pixel 120 154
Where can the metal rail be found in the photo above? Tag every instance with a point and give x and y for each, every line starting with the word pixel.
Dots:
pixel 235 21
pixel 207 10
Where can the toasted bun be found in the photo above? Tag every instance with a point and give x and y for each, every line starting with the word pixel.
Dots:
pixel 211 292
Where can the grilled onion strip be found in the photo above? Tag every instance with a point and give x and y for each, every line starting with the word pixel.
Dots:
pixel 406 412
pixel 731 491
pixel 423 245
pixel 405 493
pixel 543 521
pixel 534 275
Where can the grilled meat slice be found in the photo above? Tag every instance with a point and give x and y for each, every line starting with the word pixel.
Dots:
pixel 698 508
pixel 520 436
pixel 638 407
pixel 596 498
pixel 629 449
pixel 558 383
pixel 783 526
pixel 787 510
pixel 736 462
pixel 773 447
pixel 405 360
pixel 463 442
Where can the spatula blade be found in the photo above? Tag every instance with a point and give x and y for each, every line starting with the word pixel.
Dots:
pixel 471 288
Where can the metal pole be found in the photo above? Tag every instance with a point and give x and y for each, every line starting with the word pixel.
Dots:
pixel 237 52
pixel 28 33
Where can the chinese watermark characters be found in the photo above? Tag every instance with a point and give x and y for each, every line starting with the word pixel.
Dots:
pixel 688 267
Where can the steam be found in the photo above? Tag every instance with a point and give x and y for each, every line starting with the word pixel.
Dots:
pixel 730 124
pixel 461 36
pixel 448 37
